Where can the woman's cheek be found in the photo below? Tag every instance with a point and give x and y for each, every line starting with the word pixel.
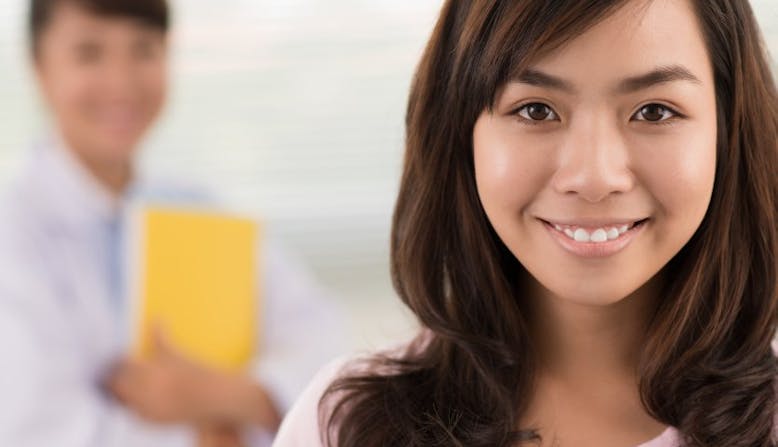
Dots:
pixel 679 175
pixel 510 168
pixel 679 168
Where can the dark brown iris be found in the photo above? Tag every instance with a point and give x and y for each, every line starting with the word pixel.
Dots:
pixel 653 112
pixel 538 112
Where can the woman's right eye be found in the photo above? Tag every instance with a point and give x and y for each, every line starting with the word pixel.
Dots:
pixel 536 111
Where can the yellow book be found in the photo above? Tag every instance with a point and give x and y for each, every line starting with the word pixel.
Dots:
pixel 195 276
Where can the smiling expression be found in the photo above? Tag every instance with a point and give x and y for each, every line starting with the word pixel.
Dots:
pixel 596 165
pixel 104 78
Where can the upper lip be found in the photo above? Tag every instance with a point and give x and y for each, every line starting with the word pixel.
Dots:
pixel 594 222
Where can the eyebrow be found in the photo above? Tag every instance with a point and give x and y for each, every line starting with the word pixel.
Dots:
pixel 660 75
pixel 539 79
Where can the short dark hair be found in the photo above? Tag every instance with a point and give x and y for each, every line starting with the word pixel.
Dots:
pixel 155 13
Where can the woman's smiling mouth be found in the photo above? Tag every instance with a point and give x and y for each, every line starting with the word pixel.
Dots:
pixel 595 240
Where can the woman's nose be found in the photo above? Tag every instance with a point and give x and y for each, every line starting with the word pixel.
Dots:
pixel 594 162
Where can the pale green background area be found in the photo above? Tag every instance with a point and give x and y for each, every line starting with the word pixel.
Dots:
pixel 292 109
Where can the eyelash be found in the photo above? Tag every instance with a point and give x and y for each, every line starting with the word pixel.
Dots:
pixel 665 122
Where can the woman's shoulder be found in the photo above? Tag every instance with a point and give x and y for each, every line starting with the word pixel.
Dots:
pixel 303 424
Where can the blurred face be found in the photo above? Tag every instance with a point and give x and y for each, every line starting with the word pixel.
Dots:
pixel 104 79
pixel 597 165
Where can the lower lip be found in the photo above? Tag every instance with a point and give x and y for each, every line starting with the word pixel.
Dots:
pixel 595 249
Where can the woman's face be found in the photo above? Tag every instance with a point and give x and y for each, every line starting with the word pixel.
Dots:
pixel 104 79
pixel 597 165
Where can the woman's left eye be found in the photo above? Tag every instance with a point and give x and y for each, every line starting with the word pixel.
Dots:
pixel 655 113
pixel 536 112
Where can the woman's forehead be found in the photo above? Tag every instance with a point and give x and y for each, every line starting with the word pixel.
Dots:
pixel 638 39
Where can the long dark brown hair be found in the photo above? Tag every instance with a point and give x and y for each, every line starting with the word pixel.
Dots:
pixel 706 368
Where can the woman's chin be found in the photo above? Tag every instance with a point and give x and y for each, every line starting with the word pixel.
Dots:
pixel 600 294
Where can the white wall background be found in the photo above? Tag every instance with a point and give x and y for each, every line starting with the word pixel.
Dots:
pixel 292 109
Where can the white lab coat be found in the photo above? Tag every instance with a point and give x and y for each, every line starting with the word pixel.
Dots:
pixel 60 333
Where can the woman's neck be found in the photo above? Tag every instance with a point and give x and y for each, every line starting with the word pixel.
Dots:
pixel 585 390
pixel 584 342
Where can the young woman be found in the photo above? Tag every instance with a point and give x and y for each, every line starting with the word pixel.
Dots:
pixel 102 69
pixel 586 231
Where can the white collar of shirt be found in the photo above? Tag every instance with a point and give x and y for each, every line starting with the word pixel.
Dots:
pixel 68 193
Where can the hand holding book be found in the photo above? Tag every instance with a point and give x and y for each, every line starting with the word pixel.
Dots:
pixel 167 387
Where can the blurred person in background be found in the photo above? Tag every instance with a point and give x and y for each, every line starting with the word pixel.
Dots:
pixel 66 380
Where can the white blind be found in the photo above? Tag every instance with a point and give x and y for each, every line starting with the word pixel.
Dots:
pixel 295 109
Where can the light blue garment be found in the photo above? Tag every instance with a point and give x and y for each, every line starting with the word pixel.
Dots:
pixel 63 312
pixel 115 255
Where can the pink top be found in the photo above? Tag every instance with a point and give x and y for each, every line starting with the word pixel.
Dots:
pixel 301 425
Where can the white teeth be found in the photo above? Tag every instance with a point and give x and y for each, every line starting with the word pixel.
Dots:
pixel 599 235
pixel 581 235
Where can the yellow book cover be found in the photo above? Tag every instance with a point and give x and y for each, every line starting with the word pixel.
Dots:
pixel 195 277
